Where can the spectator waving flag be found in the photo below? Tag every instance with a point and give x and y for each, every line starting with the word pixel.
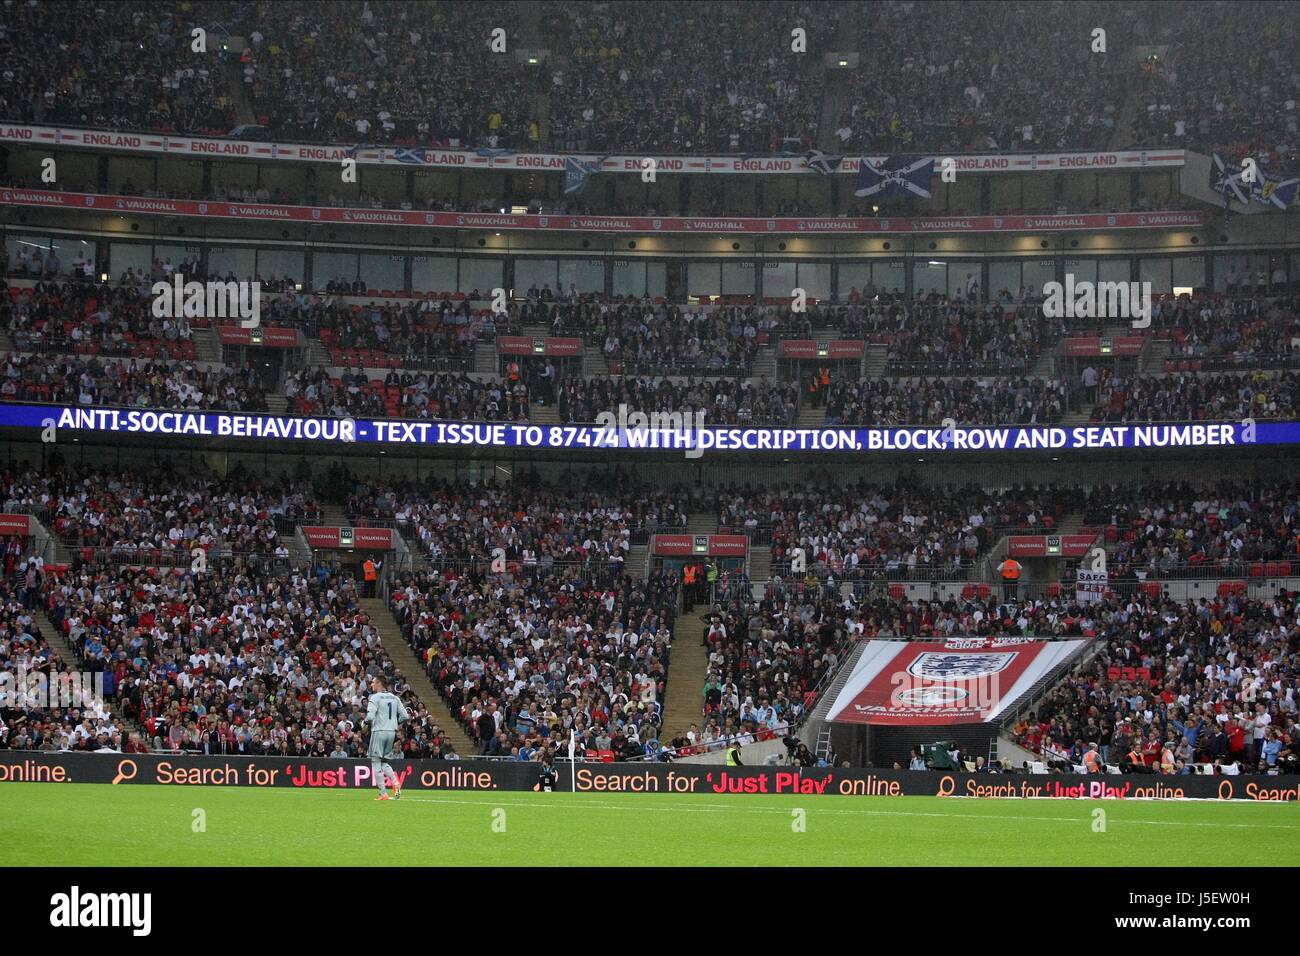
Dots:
pixel 577 171
pixel 896 177
pixel 820 162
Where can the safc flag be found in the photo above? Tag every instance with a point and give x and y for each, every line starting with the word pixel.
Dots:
pixel 897 177
pixel 959 681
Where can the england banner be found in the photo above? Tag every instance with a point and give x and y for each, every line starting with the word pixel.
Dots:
pixel 453 157
pixel 959 681
pixel 324 215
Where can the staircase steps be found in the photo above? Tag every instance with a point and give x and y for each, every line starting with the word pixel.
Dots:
pixel 702 522
pixel 638 562
pixel 684 699
pixel 207 345
pixel 58 641
pixel 543 414
pixel 811 418
pixel 594 362
pixel 485 358
pixel 873 361
pixel 414 675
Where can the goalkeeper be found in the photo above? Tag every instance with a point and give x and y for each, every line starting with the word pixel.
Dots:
pixel 384 714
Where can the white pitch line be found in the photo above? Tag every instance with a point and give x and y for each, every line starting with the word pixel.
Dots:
pixel 696 808
pixel 854 813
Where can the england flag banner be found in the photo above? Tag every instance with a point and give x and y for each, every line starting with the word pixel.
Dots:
pixel 1090 586
pixel 960 681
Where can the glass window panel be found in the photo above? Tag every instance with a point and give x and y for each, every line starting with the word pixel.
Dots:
pixel 704 278
pixel 585 275
pixel 241 262
pixel 629 277
pixel 535 272
pixel 482 275
pixel 278 263
pixel 433 274
pixel 327 267
pixel 385 273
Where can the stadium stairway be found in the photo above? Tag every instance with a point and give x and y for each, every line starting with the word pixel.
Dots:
pixel 638 560
pixel 333 516
pixel 1045 364
pixel 207 345
pixel 594 361
pixel 873 361
pixel 1081 417
pixel 760 564
pixel 764 365
pixel 316 356
pixel 702 522
pixel 684 699
pixel 411 671
pixel 60 644
pixel 277 404
pixel 485 358
pixel 811 418
pixel 543 414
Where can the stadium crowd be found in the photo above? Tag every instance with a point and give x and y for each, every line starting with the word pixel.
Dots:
pixel 128 515
pixel 88 380
pixel 1187 397
pixel 1206 682
pixel 523 659
pixel 982 401
pixel 1175 530
pixel 721 401
pixel 855 531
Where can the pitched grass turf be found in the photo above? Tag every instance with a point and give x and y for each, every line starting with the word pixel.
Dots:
pixel 97 825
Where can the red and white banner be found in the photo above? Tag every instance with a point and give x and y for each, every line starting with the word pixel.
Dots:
pixel 1099 345
pixel 527 345
pixel 838 349
pixel 18 525
pixel 267 212
pixel 1049 545
pixel 380 539
pixel 714 545
pixel 266 336
pixel 959 681
pixel 213 148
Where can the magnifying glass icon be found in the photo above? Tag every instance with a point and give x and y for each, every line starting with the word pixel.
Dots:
pixel 122 774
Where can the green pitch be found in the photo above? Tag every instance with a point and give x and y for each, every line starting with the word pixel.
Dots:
pixel 96 825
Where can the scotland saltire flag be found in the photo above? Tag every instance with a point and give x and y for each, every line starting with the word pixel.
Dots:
pixel 491 152
pixel 1274 190
pixel 577 171
pixel 897 177
pixel 1225 179
pixel 820 162
pixel 415 154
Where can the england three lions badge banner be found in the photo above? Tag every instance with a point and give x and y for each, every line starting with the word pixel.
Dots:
pixel 959 681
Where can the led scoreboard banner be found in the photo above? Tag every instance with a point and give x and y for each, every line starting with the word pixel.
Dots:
pixel 51 419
